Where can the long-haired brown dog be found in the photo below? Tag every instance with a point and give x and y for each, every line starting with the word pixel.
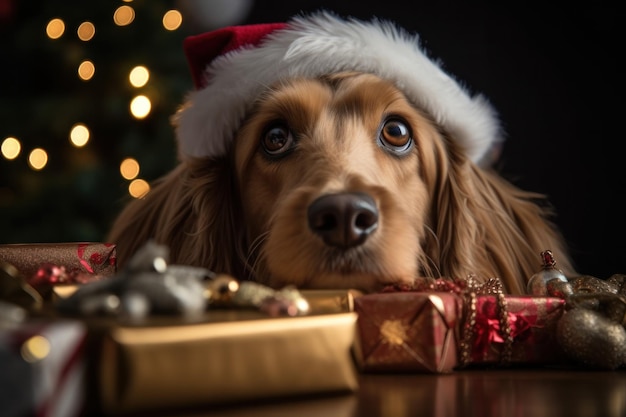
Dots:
pixel 329 167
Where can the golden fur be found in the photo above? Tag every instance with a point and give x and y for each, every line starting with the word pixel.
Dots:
pixel 245 214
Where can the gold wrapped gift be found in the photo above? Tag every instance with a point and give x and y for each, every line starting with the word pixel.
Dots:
pixel 330 301
pixel 233 356
pixel 320 301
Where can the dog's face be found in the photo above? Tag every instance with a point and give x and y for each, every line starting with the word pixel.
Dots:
pixel 339 182
pixel 328 171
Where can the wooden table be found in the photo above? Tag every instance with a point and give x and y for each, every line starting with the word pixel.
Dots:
pixel 480 393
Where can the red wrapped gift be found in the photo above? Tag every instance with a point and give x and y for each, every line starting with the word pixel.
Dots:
pixel 532 327
pixel 408 331
pixel 46 264
pixel 43 369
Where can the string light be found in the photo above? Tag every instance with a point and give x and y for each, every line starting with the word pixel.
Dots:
pixel 129 168
pixel 140 107
pixel 11 148
pixel 172 19
pixel 37 159
pixel 55 28
pixel 139 76
pixel 86 70
pixel 124 15
pixel 79 135
pixel 138 188
pixel 35 349
pixel 85 31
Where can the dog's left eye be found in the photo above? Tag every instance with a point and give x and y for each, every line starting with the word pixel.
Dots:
pixel 395 135
pixel 277 140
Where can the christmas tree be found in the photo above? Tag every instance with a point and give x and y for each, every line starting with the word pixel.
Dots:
pixel 88 89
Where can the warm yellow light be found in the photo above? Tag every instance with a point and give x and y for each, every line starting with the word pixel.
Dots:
pixel 124 15
pixel 86 70
pixel 55 28
pixel 86 30
pixel 11 148
pixel 35 349
pixel 79 135
pixel 37 159
pixel 140 106
pixel 129 168
pixel 138 188
pixel 139 76
pixel 172 20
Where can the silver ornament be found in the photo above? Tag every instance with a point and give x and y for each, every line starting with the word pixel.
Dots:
pixel 538 283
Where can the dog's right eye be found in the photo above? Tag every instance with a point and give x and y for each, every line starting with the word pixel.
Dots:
pixel 277 140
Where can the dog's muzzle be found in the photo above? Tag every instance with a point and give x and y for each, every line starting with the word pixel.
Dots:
pixel 343 220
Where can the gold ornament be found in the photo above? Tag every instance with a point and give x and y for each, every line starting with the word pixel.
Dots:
pixel 592 339
pixel 221 290
pixel 591 331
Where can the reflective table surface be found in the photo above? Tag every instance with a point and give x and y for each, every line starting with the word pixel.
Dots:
pixel 497 392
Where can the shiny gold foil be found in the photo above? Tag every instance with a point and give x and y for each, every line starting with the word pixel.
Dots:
pixel 330 301
pixel 237 355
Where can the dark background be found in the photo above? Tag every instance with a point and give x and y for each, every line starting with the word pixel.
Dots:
pixel 551 72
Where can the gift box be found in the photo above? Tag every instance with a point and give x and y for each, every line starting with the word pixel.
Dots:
pixel 42 369
pixel 408 331
pixel 532 323
pixel 232 355
pixel 42 265
pixel 331 301
pixel 320 301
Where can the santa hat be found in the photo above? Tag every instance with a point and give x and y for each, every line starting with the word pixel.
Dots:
pixel 232 66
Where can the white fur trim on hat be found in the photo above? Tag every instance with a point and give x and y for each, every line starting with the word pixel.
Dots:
pixel 322 44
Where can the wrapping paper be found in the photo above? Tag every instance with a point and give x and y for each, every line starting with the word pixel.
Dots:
pixel 320 301
pixel 88 259
pixel 42 369
pixel 533 323
pixel 330 301
pixel 408 331
pixel 236 355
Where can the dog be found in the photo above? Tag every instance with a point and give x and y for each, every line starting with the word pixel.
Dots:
pixel 339 179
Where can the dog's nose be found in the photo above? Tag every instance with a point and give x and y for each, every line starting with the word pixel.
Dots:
pixel 343 220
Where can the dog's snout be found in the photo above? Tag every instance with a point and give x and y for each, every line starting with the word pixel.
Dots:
pixel 343 220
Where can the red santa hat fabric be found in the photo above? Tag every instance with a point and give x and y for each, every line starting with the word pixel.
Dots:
pixel 201 49
pixel 230 67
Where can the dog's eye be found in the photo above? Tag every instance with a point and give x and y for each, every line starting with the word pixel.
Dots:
pixel 277 140
pixel 395 135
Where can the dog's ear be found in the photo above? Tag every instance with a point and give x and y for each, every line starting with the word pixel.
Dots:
pixel 194 210
pixel 481 224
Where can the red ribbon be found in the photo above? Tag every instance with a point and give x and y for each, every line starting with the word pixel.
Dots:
pixel 488 332
pixel 81 253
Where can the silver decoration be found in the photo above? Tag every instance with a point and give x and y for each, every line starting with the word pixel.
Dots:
pixel 149 286
pixel 146 286
pixel 11 315
pixel 538 283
